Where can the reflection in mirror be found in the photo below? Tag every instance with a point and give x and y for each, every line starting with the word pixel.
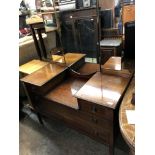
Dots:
pixel 81 33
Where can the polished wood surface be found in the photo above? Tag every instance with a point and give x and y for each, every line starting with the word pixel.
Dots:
pixel 118 67
pixel 68 88
pixel 43 75
pixel 86 71
pixel 108 89
pixel 89 68
pixel 127 130
pixel 32 66
pixel 87 105
pixel 70 58
pixel 113 63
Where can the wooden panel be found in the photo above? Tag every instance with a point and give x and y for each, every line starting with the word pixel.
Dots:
pixel 75 119
pixel 97 120
pixel 32 66
pixel 68 88
pixel 96 110
pixel 128 13
pixel 47 86
pixel 113 63
pixel 44 74
pixel 108 89
pixel 70 58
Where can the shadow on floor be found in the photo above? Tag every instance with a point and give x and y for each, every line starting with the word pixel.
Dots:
pixel 54 138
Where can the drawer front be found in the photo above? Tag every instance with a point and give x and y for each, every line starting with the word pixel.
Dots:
pixel 100 130
pixel 42 90
pixel 103 136
pixel 93 132
pixel 96 110
pixel 105 124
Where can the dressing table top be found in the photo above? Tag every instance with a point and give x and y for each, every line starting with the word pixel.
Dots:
pixel 43 75
pixel 32 66
pixel 103 89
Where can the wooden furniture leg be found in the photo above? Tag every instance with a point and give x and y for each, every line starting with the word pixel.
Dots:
pixel 40 119
pixel 111 150
pixel 42 43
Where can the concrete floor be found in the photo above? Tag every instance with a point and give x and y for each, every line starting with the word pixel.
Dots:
pixel 54 138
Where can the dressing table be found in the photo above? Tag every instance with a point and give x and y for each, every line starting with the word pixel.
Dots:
pixel 88 104
pixel 84 96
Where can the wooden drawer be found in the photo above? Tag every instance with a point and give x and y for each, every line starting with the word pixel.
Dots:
pixel 102 135
pixel 96 121
pixel 42 90
pixel 100 130
pixel 96 110
pixel 92 129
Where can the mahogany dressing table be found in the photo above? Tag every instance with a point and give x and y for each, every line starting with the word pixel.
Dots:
pixel 85 96
pixel 88 104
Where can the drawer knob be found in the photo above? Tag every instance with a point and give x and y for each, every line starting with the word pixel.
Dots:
pixel 94 109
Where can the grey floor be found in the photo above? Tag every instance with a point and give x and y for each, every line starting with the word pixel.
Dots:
pixel 54 138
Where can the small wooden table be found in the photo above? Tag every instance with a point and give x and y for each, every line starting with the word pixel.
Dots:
pixel 128 130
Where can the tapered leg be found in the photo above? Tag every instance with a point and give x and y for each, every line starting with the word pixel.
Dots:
pixel 40 119
pixel 111 150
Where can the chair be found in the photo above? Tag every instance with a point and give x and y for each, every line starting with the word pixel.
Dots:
pixel 38 29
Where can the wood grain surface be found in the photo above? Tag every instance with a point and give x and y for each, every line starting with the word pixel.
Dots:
pixel 43 75
pixel 64 92
pixel 127 130
pixel 103 89
pixel 32 66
